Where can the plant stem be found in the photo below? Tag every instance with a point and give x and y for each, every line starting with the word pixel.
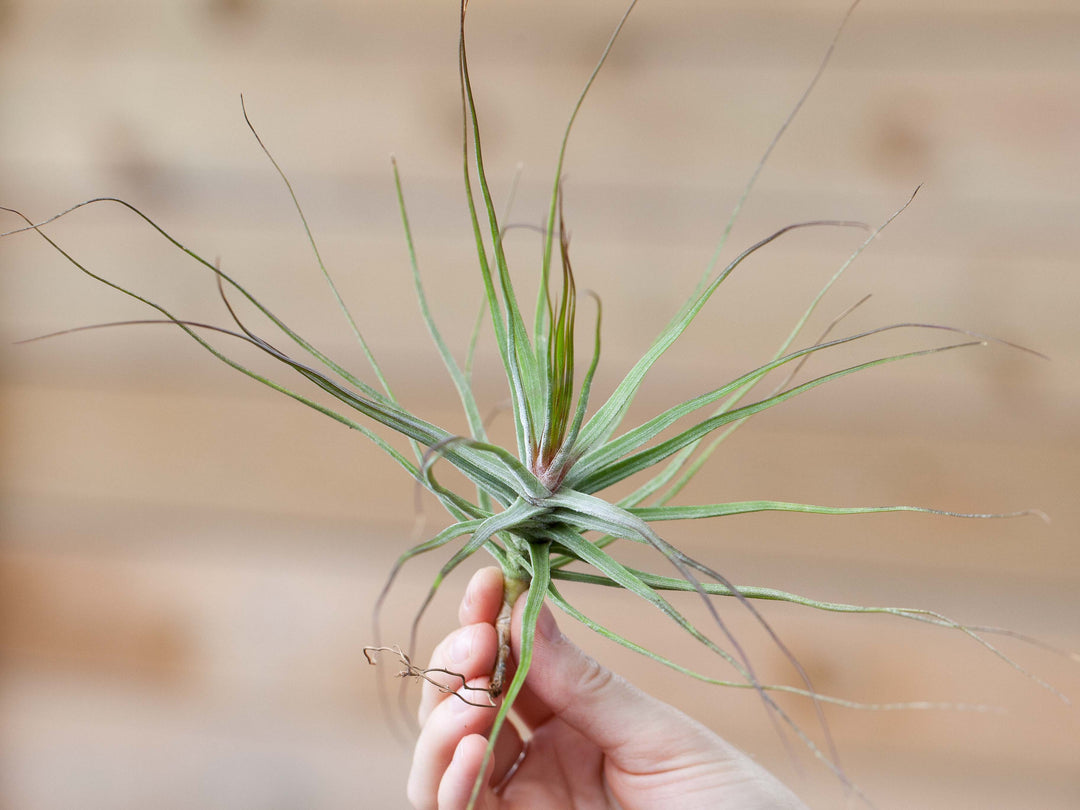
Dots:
pixel 515 583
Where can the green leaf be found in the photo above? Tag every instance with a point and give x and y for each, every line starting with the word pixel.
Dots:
pixel 559 601
pixel 568 454
pixel 679 461
pixel 545 266
pixel 588 477
pixel 647 431
pixel 465 394
pixel 606 420
pixel 515 350
pixel 662 583
pixel 319 261
pixel 616 572
pixel 534 603
pixel 654 513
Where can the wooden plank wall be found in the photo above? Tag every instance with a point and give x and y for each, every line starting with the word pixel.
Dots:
pixel 189 562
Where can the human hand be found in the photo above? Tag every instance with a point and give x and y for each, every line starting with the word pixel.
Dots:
pixel 592 736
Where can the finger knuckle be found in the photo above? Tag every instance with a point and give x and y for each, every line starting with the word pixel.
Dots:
pixel 594 677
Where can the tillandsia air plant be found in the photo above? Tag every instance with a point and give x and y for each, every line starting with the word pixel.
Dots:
pixel 538 508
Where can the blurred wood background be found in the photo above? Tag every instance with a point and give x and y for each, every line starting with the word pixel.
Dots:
pixel 189 561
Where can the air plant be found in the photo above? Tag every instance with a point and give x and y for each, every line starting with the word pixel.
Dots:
pixel 537 508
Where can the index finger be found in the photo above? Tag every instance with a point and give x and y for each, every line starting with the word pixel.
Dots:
pixel 483 597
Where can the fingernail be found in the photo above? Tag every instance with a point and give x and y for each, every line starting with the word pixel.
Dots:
pixel 546 626
pixel 461 649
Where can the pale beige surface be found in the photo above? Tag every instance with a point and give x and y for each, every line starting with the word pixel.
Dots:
pixel 189 561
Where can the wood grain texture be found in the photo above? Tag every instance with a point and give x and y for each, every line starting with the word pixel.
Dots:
pixel 188 563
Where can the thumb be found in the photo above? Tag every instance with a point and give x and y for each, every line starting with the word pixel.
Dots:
pixel 628 725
